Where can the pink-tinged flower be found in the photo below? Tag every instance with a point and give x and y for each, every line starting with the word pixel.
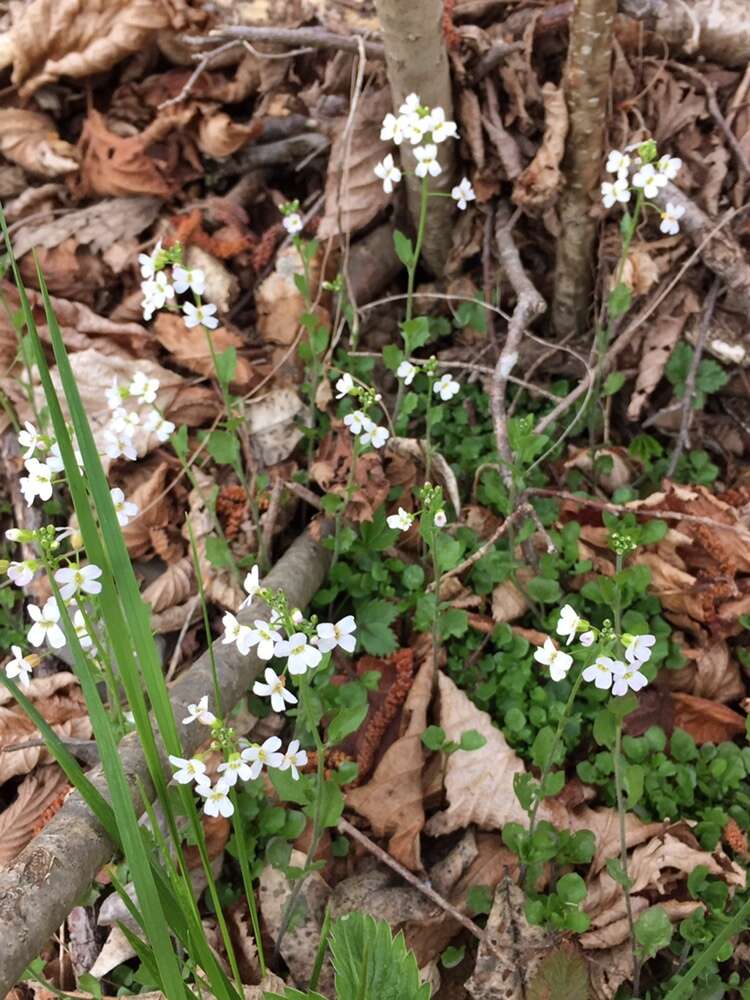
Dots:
pixel 200 713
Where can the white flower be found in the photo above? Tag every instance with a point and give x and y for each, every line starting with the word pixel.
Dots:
pixel 143 387
pixel 148 261
pixel 567 623
pixel 639 648
pixel 374 435
pixel 463 193
pixel 232 769
pixel 446 387
pixel 648 179
pixel 440 520
pixel 669 166
pixel 188 770
pixel 293 223
pixel 616 191
pixel 115 394
pixel 125 422
pixel 617 163
pixel 81 630
pixel 401 521
pixel 265 638
pixel 16 535
pixel 156 291
pixel 559 663
pixel 126 510
pixel 275 688
pixel 670 219
pixel 22 573
pixel 188 277
pixel 200 315
pixel 427 162
pixel 217 799
pixel 19 667
pixel 356 421
pixel 294 758
pixel 341 634
pixel 45 625
pixel 388 172
pixel 587 638
pixel 627 678
pixel 302 656
pixel 30 439
pixel 38 483
pixel 266 754
pixel 252 586
pixel 156 424
pixel 394 128
pixel 601 671
pixel 440 128
pixel 71 579
pixel 411 106
pixel 119 445
pixel 344 385
pixel 200 713
pixel 406 372
pixel 236 633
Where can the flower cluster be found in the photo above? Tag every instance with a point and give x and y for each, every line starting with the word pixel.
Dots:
pixel 161 288
pixel 639 168
pixel 606 672
pixel 358 422
pixel 119 433
pixel 292 221
pixel 432 509
pixel 425 128
pixel 445 386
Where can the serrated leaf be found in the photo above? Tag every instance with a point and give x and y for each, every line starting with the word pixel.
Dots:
pixel 371 964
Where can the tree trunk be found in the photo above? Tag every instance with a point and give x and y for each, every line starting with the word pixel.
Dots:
pixel 717 29
pixel 417 62
pixel 586 85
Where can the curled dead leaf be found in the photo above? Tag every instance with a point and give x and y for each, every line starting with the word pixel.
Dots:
pixel 706 721
pixel 537 188
pixel 30 139
pixel 36 794
pixel 171 587
pixel 620 474
pixel 190 347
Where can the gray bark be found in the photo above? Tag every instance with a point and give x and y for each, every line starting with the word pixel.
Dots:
pixel 50 876
pixel 717 29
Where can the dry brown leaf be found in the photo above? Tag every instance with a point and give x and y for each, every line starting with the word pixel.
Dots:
pixel 537 188
pixel 219 135
pixel 479 783
pixel 508 601
pixel 43 687
pixel 392 799
pixel 30 139
pixel 604 823
pixel 618 931
pixel 641 271
pixel 35 795
pixel 115 950
pixel 354 195
pixel 622 471
pixel 172 587
pixel 712 673
pixel 470 125
pixel 279 302
pixel 222 287
pixel 155 510
pixel 190 348
pixel 706 721
pixel 218 584
pixel 376 893
pixel 675 588
pixel 272 422
pixel 54 38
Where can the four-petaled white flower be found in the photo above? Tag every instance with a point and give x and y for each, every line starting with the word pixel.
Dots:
pixel 649 179
pixel 294 758
pixel 587 638
pixel 200 713
pixel 38 483
pixel 189 769
pixel 143 387
pixel 115 394
pixel 156 424
pixel 125 421
pixel 441 128
pixel 406 372
pixel 394 128
pixel 344 385
pixel 265 754
pixel 670 219
pixel 126 510
pixel 638 648
pixel 401 521
pixel 617 163
pixel 341 634
pixel 669 166
pixel 45 627
pixel 301 655
pixel 19 667
pixel 440 520
pixel 463 193
pixel 236 633
pixel 567 623
pixel 411 106
pixel 374 435
pixel 252 586
pixel 22 573
pixel 265 638
pixel 156 291
pixel 202 315
pixel 629 678
pixel 189 277
pixel 119 445
pixel 616 191
pixel 427 161
pixel 147 262
pixel 559 663
pixel 29 438
pixel 71 579
pixel 388 173
pixel 602 670
pixel 234 768
pixel 293 223
pixel 274 688
pixel 446 387
pixel 217 799
pixel 356 421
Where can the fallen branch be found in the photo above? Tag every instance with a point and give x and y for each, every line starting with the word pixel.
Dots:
pixel 51 875
pixel 717 29
pixel 312 38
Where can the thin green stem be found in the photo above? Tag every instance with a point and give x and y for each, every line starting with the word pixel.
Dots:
pixel 247 881
pixel 411 272
pixel 624 852
pixel 436 577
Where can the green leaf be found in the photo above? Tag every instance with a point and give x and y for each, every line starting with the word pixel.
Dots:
pixel 479 899
pixel 226 365
pixel 218 552
pixel 453 622
pixel 371 964
pixel 471 740
pixel 392 356
pixel 404 248
pixel 615 869
pixel 346 721
pixel 619 300
pixel 543 590
pixel 375 634
pixel 613 383
pixel 653 931
pixel 223 447
pixel 711 376
pixel 416 333
pixel 413 577
pixel 634 779
pixel 452 956
pixel 434 738
pixel 571 888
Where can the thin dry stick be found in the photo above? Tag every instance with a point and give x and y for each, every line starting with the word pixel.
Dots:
pixel 269 521
pixel 313 38
pixel 523 511
pixel 175 659
pixel 203 64
pixel 683 438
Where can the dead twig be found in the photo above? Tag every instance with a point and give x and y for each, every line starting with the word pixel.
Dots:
pixel 683 438
pixel 504 143
pixel 494 57
pixel 520 512
pixel 313 38
pixel 205 61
